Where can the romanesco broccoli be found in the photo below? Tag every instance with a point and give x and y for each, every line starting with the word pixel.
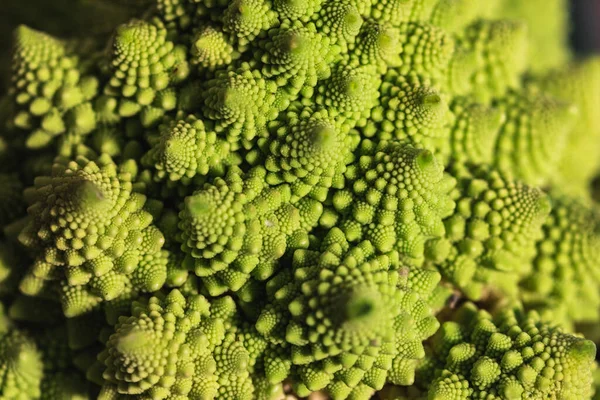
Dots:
pixel 286 199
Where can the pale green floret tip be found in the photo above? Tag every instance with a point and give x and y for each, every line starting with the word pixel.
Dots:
pixel 88 196
pixel 198 205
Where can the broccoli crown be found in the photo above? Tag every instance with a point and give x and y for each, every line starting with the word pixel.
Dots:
pixel 90 234
pixel 134 361
pixel 390 183
pixel 21 366
pixel 348 317
pixel 284 199
pixel 565 263
pixel 513 355
pixel 51 89
pixel 483 241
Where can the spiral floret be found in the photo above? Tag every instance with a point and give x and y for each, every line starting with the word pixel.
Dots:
pixel 512 355
pixel 397 197
pixel 341 311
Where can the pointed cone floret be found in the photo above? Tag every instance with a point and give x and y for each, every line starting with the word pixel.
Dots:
pixel 534 135
pixel 410 109
pixel 499 49
pixel 475 131
pixel 88 233
pixel 380 207
pixel 507 358
pixel 186 148
pixel 305 141
pixel 347 313
pixel 21 367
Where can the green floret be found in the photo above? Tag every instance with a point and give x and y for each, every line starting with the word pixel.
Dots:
pixel 236 228
pixel 262 357
pixel 513 355
pixel 350 92
pixel 426 50
pixel 241 103
pixel 308 150
pixel 411 110
pixel 348 318
pixel 185 148
pixel 246 19
pixel 87 231
pixel 178 15
pixel 491 236
pixel 459 73
pixel 567 262
pixel 498 58
pixel 51 89
pixel 151 352
pixel 297 9
pixel 455 15
pixel 573 83
pixel 475 132
pixel 212 49
pixel 396 12
pixel 241 358
pixel 215 229
pixel 150 274
pixel 181 347
pixel 396 198
pixel 107 139
pixel 80 197
pixel 532 140
pixel 376 44
pixel 143 268
pixel 295 56
pixel 21 367
pixel 339 20
pixel 143 64
pixel 547 29
pixel 232 360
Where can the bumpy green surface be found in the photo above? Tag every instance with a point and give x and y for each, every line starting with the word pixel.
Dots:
pixel 284 199
pixel 492 233
pixel 566 263
pixel 90 235
pixel 20 366
pixel 379 206
pixel 50 90
pixel 512 356
pixel 572 83
pixel 338 314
